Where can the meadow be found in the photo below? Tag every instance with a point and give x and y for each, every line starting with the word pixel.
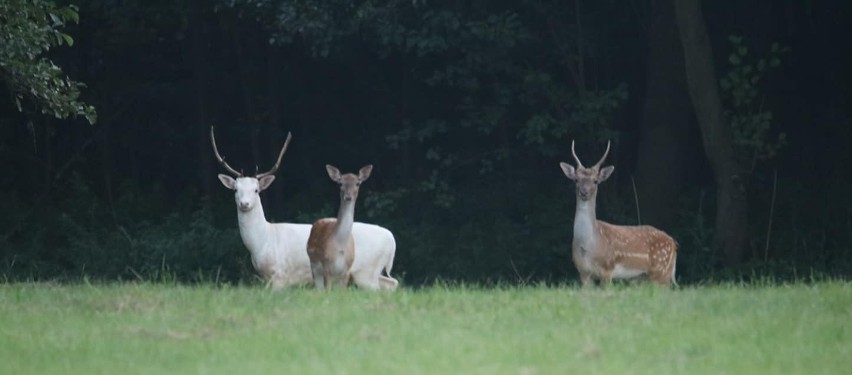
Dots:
pixel 139 328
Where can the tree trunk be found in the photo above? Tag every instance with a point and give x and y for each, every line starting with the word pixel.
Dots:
pixel 731 203
pixel 666 119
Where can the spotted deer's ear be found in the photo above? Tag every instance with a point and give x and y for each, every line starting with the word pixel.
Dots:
pixel 605 173
pixel 569 171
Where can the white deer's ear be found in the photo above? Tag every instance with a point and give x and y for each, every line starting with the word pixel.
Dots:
pixel 228 181
pixel 265 181
pixel 605 173
pixel 333 173
pixel 364 173
pixel 568 170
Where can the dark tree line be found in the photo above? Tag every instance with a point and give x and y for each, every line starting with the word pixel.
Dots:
pixel 729 123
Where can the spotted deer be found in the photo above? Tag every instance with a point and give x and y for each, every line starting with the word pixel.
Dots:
pixel 331 247
pixel 605 251
pixel 278 250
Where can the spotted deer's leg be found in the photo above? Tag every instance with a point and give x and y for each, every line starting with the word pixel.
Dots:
pixel 606 278
pixel 662 267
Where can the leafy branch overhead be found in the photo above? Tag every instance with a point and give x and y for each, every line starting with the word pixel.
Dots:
pixel 28 30
pixel 743 95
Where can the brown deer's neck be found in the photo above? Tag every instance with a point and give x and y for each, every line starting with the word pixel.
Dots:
pixel 345 218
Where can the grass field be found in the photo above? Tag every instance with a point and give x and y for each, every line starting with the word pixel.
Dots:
pixel 162 328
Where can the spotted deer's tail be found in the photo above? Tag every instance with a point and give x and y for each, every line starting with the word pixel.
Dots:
pixel 674 266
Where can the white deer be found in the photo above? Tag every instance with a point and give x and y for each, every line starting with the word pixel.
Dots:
pixel 279 250
pixel 331 247
pixel 605 251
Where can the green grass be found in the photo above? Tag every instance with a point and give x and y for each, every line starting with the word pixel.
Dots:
pixel 159 328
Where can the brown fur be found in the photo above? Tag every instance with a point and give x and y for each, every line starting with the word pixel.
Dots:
pixel 331 247
pixel 635 249
pixel 323 249
pixel 642 248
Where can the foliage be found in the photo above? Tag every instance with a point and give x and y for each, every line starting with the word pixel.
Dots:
pixel 465 108
pixel 83 237
pixel 446 328
pixel 745 102
pixel 28 30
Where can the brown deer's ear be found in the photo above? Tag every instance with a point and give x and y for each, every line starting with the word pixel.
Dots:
pixel 364 173
pixel 605 173
pixel 569 171
pixel 228 181
pixel 265 181
pixel 333 173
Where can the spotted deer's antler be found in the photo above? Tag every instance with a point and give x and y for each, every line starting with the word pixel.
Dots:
pixel 579 165
pixel 604 156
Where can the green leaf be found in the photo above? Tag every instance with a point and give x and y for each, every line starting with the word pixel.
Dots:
pixel 734 59
pixel 742 50
pixel 735 39
pixel 68 39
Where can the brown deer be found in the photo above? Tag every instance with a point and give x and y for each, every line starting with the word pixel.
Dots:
pixel 605 251
pixel 331 247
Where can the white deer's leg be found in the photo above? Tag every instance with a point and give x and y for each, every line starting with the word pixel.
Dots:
pixel 388 283
pixel 365 280
pixel 275 283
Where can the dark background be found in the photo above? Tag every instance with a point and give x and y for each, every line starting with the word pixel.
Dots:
pixel 465 110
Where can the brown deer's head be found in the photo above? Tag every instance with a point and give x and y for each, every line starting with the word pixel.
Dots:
pixel 349 183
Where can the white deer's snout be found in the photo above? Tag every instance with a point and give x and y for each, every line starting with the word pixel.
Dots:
pixel 245 202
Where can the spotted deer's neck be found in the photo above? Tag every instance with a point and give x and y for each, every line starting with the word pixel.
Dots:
pixel 585 222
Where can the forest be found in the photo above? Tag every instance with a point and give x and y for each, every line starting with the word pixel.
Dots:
pixel 728 123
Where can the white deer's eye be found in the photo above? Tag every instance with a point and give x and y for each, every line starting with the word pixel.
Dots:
pixel 255 191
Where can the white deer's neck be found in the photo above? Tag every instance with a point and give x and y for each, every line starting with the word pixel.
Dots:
pixel 585 221
pixel 345 218
pixel 254 229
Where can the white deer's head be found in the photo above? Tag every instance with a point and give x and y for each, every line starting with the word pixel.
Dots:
pixel 587 179
pixel 246 188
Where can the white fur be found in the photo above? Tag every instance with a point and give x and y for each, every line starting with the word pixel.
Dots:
pixel 279 251
pixel 620 272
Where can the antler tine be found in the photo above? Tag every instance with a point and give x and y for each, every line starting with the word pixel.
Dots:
pixel 604 156
pixel 579 165
pixel 220 158
pixel 280 155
